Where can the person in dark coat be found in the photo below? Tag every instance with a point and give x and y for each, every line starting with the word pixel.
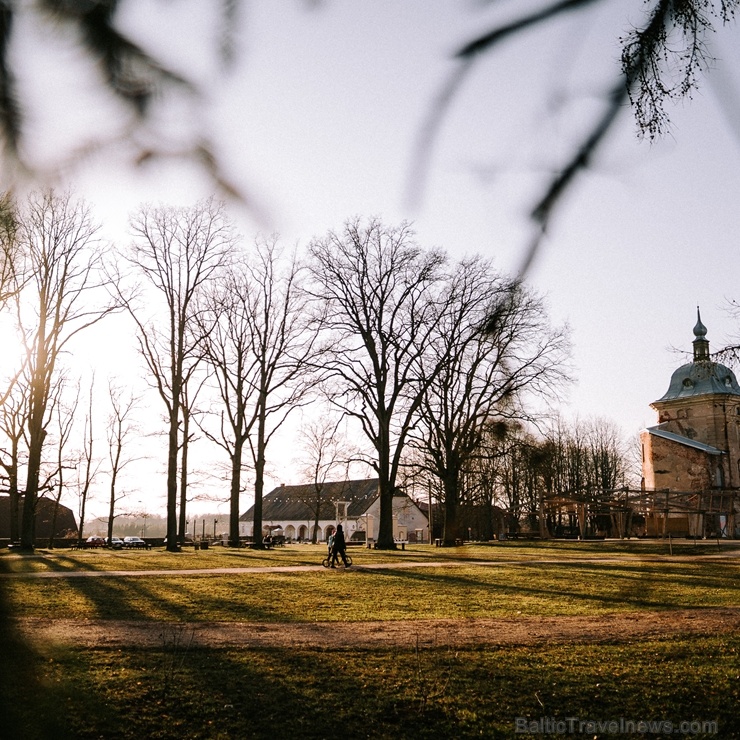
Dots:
pixel 339 547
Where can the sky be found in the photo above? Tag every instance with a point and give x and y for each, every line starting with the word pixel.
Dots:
pixel 318 118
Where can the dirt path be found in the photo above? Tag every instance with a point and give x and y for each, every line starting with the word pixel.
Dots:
pixel 524 631
pixel 520 631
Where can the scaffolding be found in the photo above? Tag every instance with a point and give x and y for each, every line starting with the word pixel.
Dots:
pixel 626 512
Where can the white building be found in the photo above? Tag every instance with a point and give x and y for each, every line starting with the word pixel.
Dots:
pixel 354 504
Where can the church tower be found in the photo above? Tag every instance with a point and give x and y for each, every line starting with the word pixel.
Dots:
pixel 696 443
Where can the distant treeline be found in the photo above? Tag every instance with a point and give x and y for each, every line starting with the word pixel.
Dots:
pixel 153 526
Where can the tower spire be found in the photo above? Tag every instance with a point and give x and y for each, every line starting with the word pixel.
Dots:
pixel 701 343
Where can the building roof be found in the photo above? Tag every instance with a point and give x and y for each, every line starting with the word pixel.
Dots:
pixel 298 503
pixel 679 439
pixel 65 519
pixel 701 377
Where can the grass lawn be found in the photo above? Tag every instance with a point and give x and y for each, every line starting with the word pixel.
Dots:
pixel 175 691
pixel 297 555
pixel 531 581
pixel 405 693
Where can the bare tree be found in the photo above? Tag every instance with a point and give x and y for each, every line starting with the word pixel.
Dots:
pixel 121 426
pixel 87 465
pixel 11 264
pixel 65 418
pixel 376 288
pixel 178 252
pixel 13 421
pixel 190 392
pixel 13 396
pixel 258 343
pixel 61 298
pixel 491 348
pixel 584 464
pixel 325 452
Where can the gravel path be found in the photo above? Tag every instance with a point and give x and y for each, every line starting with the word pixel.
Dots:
pixel 524 631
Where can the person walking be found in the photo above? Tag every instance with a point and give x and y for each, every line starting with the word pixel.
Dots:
pixel 339 547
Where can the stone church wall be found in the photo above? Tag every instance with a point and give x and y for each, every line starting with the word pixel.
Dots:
pixel 678 467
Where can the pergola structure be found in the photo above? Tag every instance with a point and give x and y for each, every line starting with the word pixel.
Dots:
pixel 627 512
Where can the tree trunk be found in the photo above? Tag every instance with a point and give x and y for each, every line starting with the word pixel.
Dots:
pixel 28 522
pixel 315 534
pixel 386 488
pixel 13 494
pixel 173 448
pixel 544 531
pixel 451 533
pixel 83 505
pixel 259 474
pixel 15 501
pixel 236 485
pixel 57 501
pixel 182 527
pixel 258 492
pixel 112 503
pixel 385 525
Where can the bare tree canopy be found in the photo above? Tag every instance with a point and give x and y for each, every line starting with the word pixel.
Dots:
pixel 63 295
pixel 258 342
pixel 492 350
pixel 326 455
pixel 376 289
pixel 177 252
pixel 121 426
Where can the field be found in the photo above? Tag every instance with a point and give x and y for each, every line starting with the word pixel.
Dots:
pixel 589 639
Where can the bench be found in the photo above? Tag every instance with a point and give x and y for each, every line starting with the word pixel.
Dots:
pixel 438 542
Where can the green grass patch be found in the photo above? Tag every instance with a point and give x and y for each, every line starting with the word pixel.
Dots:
pixel 505 590
pixel 61 560
pixel 181 693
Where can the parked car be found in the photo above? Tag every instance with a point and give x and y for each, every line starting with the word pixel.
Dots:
pixel 95 542
pixel 116 543
pixel 134 542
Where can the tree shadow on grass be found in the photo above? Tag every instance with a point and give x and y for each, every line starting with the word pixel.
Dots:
pixel 30 707
pixel 260 693
pixel 634 586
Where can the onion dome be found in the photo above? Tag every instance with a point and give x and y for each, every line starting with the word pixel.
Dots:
pixel 702 376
